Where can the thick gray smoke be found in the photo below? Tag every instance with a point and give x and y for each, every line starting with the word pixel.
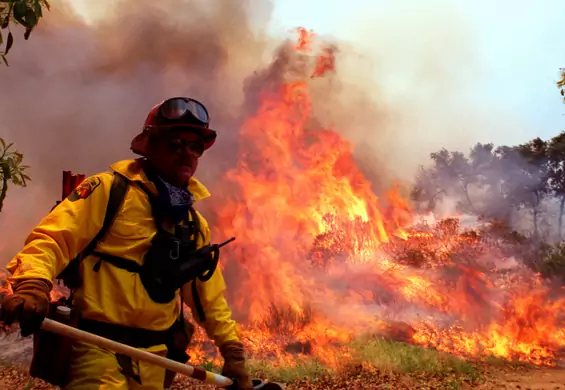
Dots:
pixel 76 94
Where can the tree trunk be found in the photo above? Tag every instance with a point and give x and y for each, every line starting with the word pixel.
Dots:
pixel 3 191
pixel 561 209
pixel 537 202
pixel 468 198
pixel 5 176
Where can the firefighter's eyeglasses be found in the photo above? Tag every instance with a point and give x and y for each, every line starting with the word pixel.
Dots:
pixel 179 145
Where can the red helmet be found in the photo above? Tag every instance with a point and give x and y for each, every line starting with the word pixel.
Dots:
pixel 175 113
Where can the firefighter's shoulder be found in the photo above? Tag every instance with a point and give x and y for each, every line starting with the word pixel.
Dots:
pixel 97 182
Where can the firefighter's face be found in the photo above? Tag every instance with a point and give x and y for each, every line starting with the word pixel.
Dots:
pixel 175 156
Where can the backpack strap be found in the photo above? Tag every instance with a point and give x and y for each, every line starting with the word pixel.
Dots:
pixel 197 302
pixel 197 229
pixel 117 195
pixel 118 191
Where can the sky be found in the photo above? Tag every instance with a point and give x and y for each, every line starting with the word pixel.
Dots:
pixel 521 45
pixel 515 50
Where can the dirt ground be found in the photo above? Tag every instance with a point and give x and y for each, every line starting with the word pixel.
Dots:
pixel 530 379
pixel 15 378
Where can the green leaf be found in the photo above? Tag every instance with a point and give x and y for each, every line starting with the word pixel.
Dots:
pixel 3 142
pixel 6 20
pixel 37 9
pixel 4 59
pixel 30 17
pixel 1 38
pixel 26 177
pixel 18 157
pixel 19 13
pixel 9 43
pixel 28 33
pixel 47 5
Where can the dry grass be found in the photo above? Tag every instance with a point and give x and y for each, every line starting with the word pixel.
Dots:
pixel 372 362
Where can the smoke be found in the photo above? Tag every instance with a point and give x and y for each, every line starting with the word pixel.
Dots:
pixel 76 94
pixel 426 90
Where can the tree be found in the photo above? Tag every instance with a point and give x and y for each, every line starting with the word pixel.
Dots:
pixel 503 179
pixel 454 174
pixel 427 189
pixel 11 169
pixel 536 173
pixel 23 12
pixel 450 175
pixel 486 166
pixel 524 172
pixel 556 174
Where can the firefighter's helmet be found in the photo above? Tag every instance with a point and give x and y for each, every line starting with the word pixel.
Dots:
pixel 175 113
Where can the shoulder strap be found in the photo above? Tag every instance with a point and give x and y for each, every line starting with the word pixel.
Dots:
pixel 196 222
pixel 116 198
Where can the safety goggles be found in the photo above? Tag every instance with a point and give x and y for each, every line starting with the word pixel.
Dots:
pixel 178 107
pixel 178 145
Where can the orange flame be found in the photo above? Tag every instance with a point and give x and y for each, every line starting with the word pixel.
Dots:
pixel 312 266
pixel 321 259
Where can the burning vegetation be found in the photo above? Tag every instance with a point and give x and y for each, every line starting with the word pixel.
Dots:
pixel 320 259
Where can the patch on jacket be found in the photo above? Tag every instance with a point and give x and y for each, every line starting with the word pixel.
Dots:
pixel 84 189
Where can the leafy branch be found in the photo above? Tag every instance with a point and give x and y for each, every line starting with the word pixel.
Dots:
pixel 11 169
pixel 23 12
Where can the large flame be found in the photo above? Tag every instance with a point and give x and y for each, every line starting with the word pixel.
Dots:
pixel 312 261
pixel 319 257
pixel 297 182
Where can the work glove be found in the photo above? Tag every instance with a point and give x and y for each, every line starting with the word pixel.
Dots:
pixel 28 305
pixel 234 365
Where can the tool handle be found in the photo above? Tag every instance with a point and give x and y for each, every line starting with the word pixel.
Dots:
pixel 185 369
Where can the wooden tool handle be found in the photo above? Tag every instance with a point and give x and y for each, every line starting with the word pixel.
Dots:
pixel 184 369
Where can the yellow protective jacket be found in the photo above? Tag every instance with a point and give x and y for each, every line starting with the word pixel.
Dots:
pixel 112 294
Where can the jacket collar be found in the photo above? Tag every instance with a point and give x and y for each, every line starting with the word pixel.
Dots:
pixel 133 170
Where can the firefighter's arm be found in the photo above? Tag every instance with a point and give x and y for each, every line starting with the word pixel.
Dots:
pixel 218 321
pixel 63 233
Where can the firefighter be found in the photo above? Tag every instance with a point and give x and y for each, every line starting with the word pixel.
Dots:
pixel 114 301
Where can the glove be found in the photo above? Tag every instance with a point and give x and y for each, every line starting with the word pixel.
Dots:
pixel 234 365
pixel 28 305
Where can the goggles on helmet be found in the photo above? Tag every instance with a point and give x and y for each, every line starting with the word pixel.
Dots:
pixel 179 107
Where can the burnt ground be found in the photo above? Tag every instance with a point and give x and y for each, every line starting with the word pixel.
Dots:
pixel 493 377
pixel 490 374
pixel 544 378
